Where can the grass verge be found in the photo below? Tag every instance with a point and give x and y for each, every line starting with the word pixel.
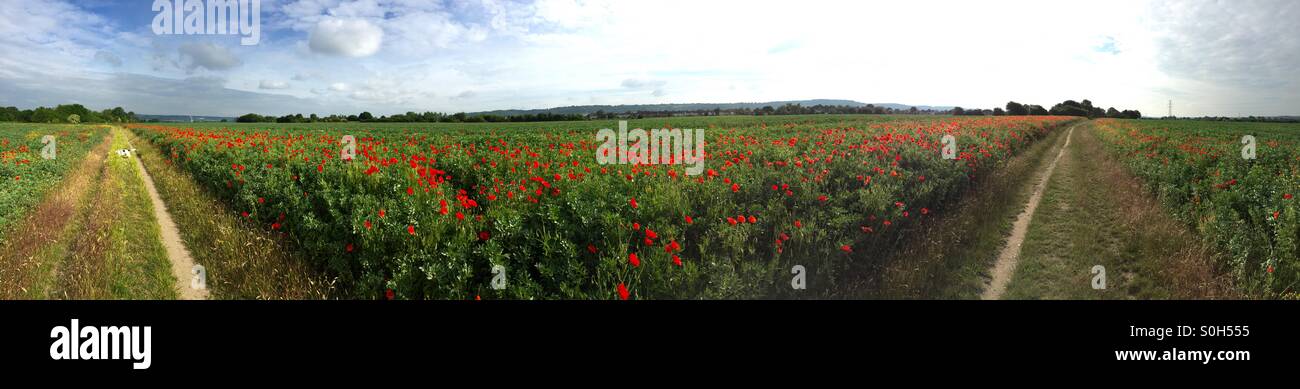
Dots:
pixel 242 260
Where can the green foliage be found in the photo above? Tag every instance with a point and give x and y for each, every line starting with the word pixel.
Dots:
pixel 1246 207
pixel 67 113
pixel 429 212
pixel 25 175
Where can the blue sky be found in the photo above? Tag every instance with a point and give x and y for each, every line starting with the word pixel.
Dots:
pixel 330 56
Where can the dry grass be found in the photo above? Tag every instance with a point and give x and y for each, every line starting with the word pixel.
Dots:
pixel 242 260
pixel 1183 262
pixel 82 274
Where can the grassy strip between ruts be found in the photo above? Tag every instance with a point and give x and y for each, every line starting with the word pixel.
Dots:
pixel 137 264
pixel 1094 213
pixel 242 260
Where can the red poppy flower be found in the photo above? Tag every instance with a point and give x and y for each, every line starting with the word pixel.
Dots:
pixel 275 226
pixel 822 198
pixel 261 200
pixel 631 258
pixel 636 226
pixel 410 229
pixel 460 216
pixel 651 233
pixel 735 187
pixel 349 248
pixel 367 224
pixel 731 220
pixel 484 236
pixel 371 170
pixel 753 219
pixel 410 191
pixel 925 211
pixel 592 248
pixel 622 291
pixel 1270 269
pixel 389 294
pixel 846 248
pixel 1286 196
pixel 632 202
pixel 689 220
pixel 798 224
pixel 244 214
pixel 381 213
pixel 677 260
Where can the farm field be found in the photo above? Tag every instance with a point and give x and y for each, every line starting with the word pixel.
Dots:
pixel 852 206
pixel 79 225
pixel 27 175
pixel 1234 183
pixel 441 211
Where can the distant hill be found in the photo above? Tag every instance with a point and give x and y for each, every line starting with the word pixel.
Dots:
pixel 183 118
pixel 624 108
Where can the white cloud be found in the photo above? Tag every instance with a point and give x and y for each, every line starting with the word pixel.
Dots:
pixel 389 56
pixel 271 84
pixel 346 37
pixel 633 83
pixel 208 56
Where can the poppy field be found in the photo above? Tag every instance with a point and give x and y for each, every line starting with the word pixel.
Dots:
pixel 1235 183
pixel 525 211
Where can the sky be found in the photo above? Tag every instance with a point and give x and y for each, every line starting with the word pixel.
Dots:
pixel 1219 58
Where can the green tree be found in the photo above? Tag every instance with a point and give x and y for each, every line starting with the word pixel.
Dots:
pixel 1014 108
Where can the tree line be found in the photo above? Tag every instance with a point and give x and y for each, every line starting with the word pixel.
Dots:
pixel 1066 108
pixel 66 113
